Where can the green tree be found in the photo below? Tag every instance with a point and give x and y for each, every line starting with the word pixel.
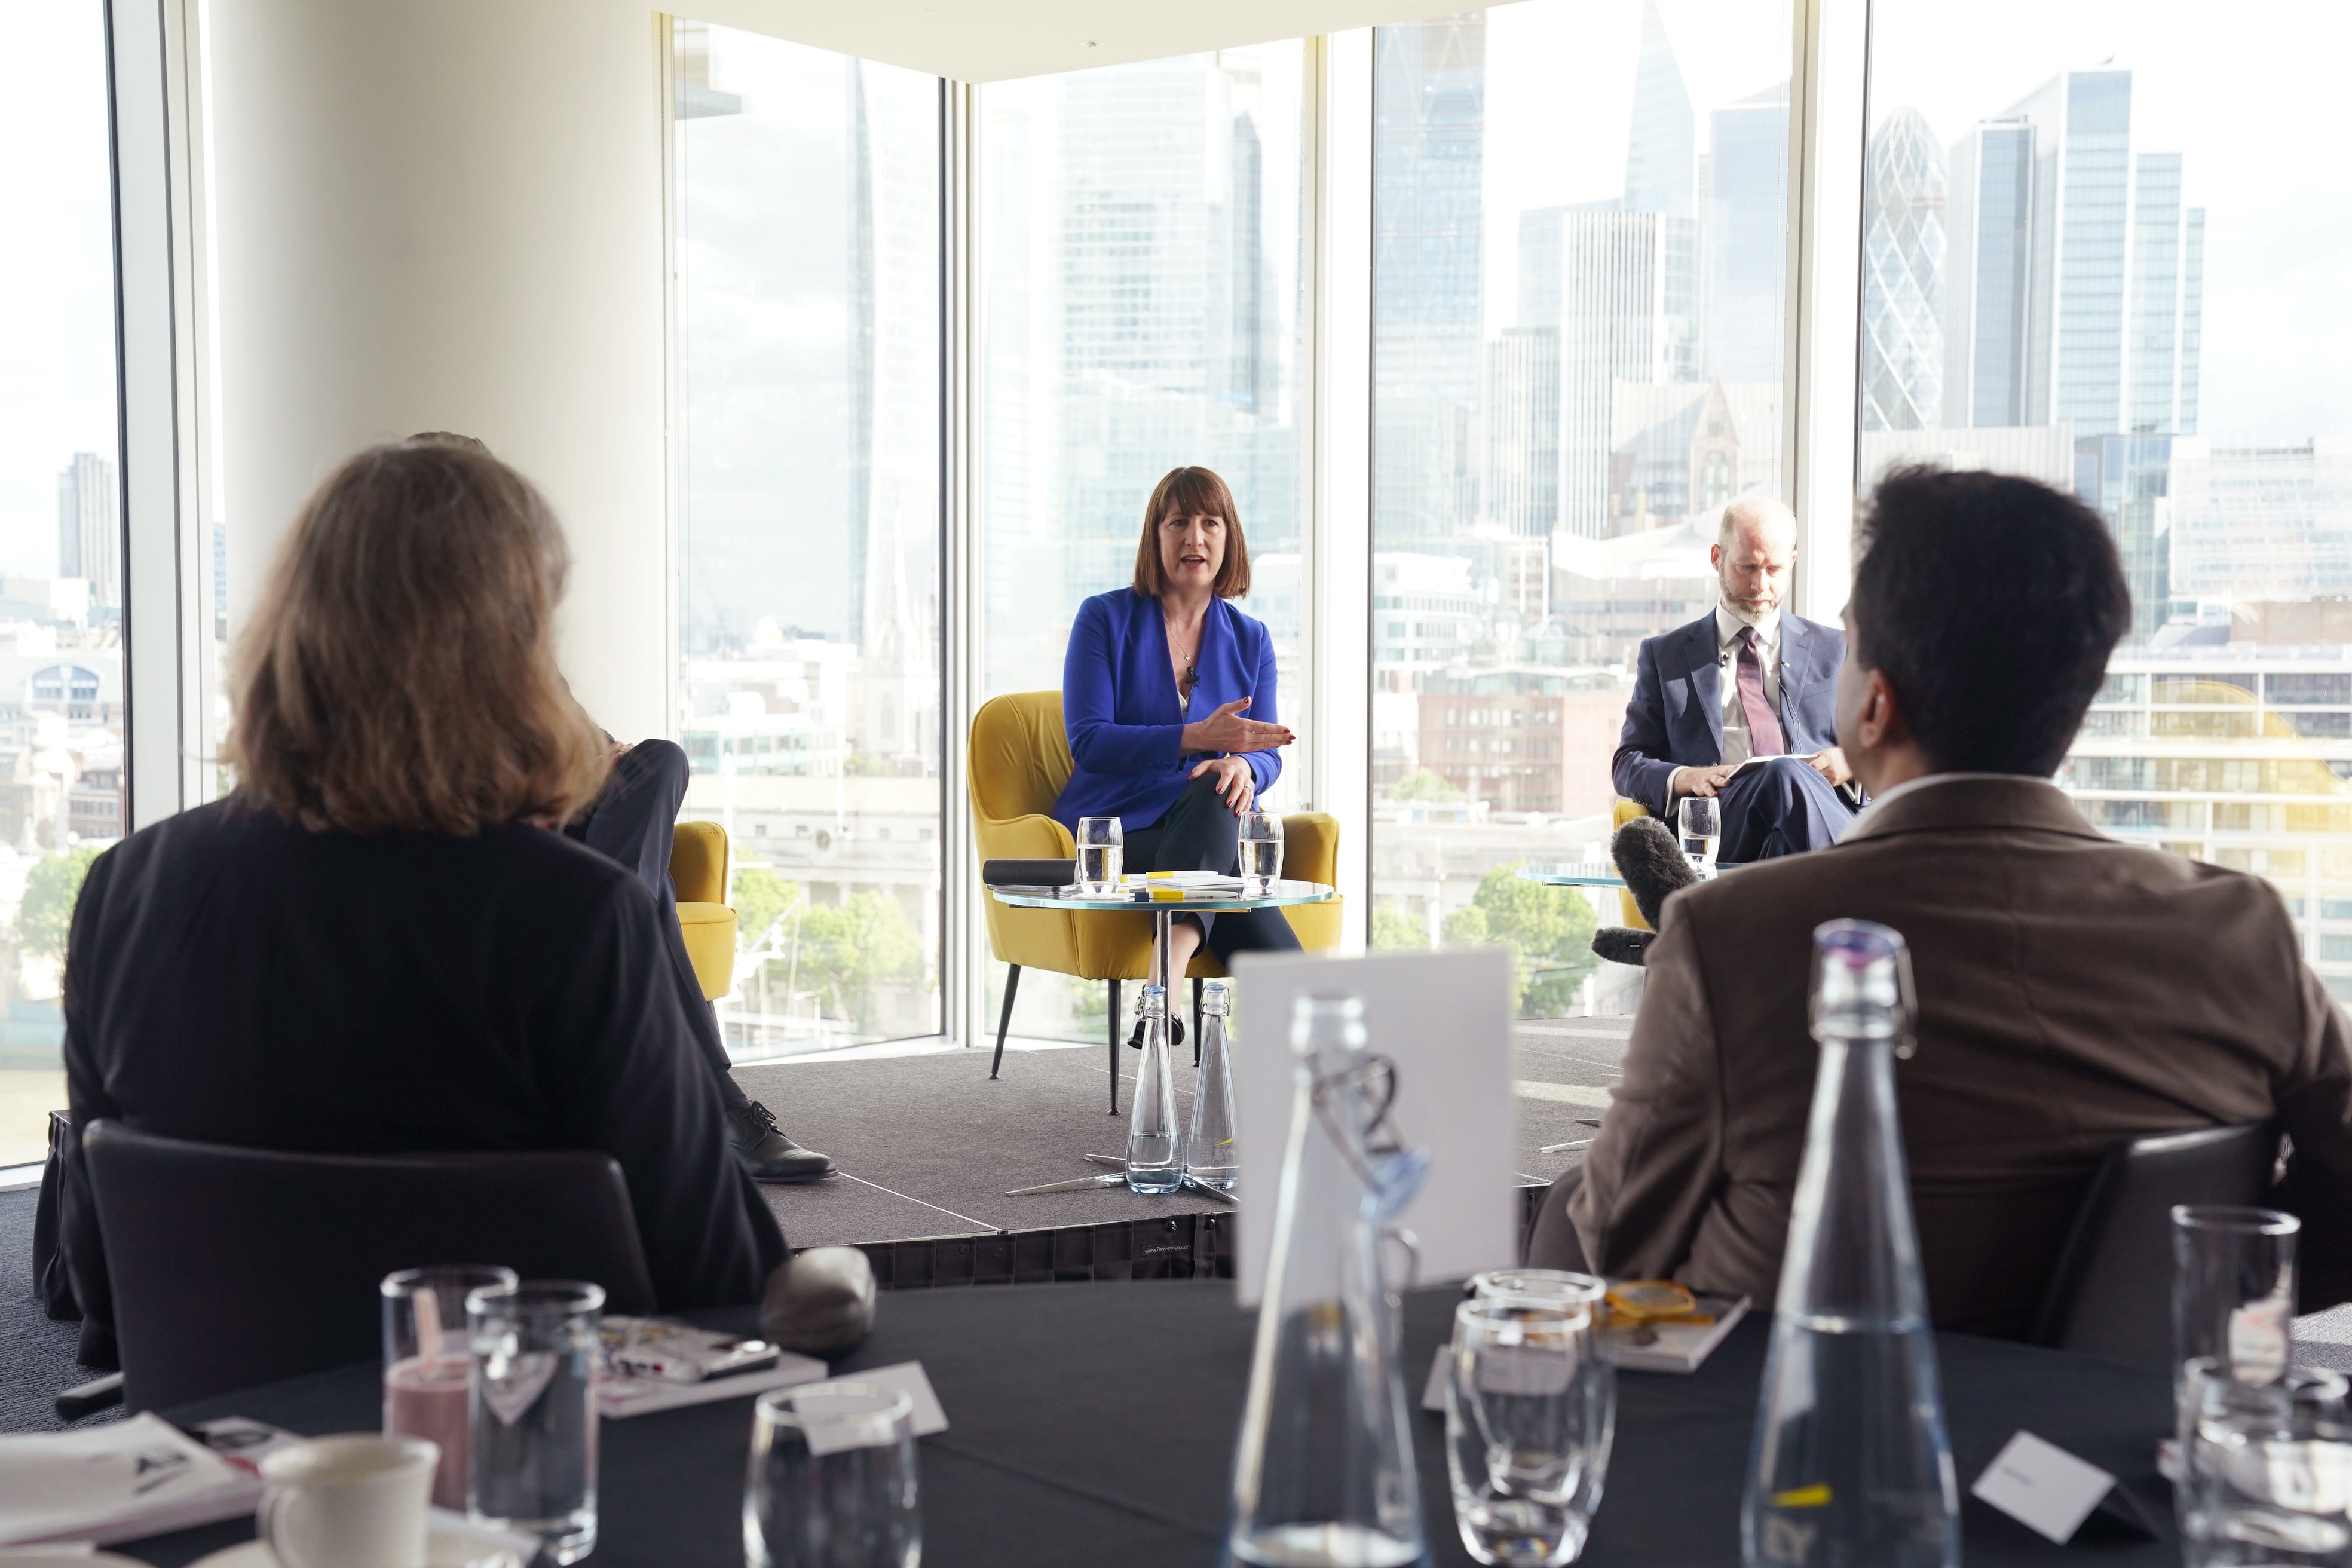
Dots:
pixel 46 911
pixel 1393 928
pixel 849 950
pixel 1548 931
pixel 1423 784
pixel 760 896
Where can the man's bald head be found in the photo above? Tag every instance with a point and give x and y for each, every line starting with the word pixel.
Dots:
pixel 1752 556
pixel 1766 516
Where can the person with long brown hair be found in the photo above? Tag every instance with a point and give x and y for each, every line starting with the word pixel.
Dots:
pixel 632 819
pixel 1167 694
pixel 372 945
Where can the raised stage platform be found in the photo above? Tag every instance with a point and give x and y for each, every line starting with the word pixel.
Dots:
pixel 929 1146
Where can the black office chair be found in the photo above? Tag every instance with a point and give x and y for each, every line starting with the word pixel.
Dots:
pixel 2112 1293
pixel 233 1267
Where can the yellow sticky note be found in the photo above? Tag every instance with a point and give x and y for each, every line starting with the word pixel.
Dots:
pixel 1814 1496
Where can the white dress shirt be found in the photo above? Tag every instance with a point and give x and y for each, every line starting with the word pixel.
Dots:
pixel 1738 744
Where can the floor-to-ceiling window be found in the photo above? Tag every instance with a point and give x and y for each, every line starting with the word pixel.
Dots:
pixel 61 710
pixel 2106 253
pixel 1139 255
pixel 1579 268
pixel 806 243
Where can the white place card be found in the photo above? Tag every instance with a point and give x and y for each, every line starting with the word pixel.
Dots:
pixel 1444 1020
pixel 2043 1486
pixel 909 1378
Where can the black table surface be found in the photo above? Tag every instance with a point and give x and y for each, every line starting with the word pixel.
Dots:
pixel 1094 1424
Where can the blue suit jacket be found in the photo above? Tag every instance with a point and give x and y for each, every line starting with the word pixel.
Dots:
pixel 1675 717
pixel 1118 704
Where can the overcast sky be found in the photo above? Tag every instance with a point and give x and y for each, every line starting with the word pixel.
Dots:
pixel 56 268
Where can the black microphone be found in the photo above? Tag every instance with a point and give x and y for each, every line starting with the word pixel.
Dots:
pixel 1651 863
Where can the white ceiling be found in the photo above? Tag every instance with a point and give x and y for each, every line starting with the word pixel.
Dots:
pixel 998 40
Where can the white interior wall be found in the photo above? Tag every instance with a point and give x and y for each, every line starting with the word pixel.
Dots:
pixel 448 214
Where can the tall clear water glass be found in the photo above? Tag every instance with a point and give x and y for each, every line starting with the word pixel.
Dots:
pixel 533 1462
pixel 1155 1154
pixel 1210 1159
pixel 2234 1287
pixel 1323 1471
pixel 428 1364
pixel 1702 831
pixel 1851 1467
pixel 2269 1468
pixel 1598 1379
pixel 1259 847
pixel 1520 1438
pixel 1102 854
pixel 832 1479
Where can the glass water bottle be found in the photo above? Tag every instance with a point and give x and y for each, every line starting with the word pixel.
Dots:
pixel 1210 1159
pixel 1851 1468
pixel 1323 1473
pixel 1154 1154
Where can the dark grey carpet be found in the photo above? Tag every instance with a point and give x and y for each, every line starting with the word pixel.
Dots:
pixel 928 1146
pixel 36 1356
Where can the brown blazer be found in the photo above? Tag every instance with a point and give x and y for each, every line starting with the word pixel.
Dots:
pixel 2073 993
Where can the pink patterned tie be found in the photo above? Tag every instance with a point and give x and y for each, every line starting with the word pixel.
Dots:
pixel 1764 737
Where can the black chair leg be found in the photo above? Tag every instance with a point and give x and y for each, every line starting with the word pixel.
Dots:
pixel 1004 1020
pixel 1113 1032
pixel 1196 1020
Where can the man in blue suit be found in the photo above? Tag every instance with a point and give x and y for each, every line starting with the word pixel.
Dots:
pixel 1749 680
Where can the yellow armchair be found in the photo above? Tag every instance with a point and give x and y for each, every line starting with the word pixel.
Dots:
pixel 697 870
pixel 1019 759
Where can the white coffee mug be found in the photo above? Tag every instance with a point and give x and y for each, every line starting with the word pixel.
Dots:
pixel 352 1501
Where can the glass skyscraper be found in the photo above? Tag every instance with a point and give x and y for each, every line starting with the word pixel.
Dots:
pixel 1902 283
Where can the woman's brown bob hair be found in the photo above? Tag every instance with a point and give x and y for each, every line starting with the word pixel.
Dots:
pixel 1191 492
pixel 398 672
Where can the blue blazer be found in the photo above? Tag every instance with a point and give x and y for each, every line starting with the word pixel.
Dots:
pixel 1675 717
pixel 1118 704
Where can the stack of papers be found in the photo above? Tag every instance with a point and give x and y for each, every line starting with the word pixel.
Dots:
pixel 121 1481
pixel 1173 884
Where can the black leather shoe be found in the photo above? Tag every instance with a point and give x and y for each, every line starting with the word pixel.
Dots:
pixel 1175 1035
pixel 767 1154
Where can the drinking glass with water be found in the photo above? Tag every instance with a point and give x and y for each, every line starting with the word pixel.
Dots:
pixel 533 1407
pixel 2234 1287
pixel 831 1482
pixel 1520 1434
pixel 1102 854
pixel 2269 1468
pixel 1702 820
pixel 1260 849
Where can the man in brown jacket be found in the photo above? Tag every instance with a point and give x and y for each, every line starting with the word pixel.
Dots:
pixel 2073 992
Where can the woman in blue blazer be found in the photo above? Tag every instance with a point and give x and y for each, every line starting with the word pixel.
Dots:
pixel 1169 695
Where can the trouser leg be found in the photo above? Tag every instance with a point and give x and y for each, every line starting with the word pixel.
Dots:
pixel 1784 807
pixel 1552 1241
pixel 635 822
pixel 1198 833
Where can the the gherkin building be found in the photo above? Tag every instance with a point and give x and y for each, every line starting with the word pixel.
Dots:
pixel 1903 274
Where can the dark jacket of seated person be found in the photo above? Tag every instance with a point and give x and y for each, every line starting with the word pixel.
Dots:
pixel 2073 993
pixel 380 944
pixel 236 978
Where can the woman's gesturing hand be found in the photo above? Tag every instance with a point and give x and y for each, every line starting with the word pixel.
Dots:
pixel 1236 785
pixel 1226 730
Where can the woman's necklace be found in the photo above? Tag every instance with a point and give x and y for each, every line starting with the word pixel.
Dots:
pixel 1191 665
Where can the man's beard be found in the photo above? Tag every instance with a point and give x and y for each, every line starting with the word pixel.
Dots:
pixel 1743 613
